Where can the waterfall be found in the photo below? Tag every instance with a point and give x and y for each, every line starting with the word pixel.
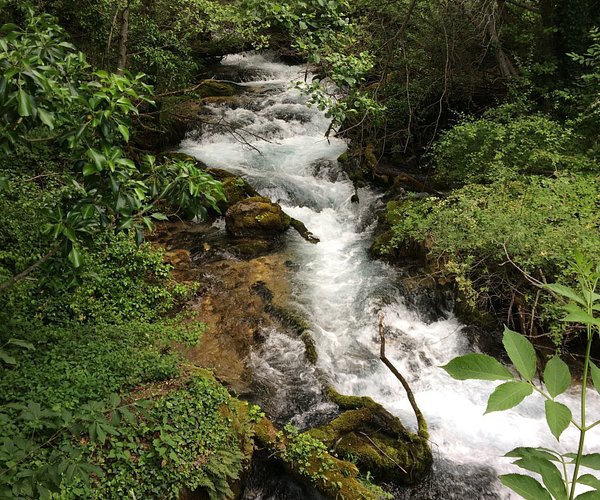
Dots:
pixel 343 292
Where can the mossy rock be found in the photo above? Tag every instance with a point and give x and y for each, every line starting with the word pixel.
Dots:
pixel 234 189
pixel 382 247
pixel 216 88
pixel 256 217
pixel 304 457
pixel 377 440
pixel 249 248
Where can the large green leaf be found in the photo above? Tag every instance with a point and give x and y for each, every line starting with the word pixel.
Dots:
pixel 525 452
pixel 521 353
pixel 551 476
pixel 477 366
pixel 124 132
pixel 589 480
pixel 24 103
pixel 577 315
pixel 595 372
pixel 526 486
pixel 47 118
pixel 9 360
pixel 565 291
pixel 588 495
pixel 75 256
pixel 591 460
pixel 557 376
pixel 508 395
pixel 558 417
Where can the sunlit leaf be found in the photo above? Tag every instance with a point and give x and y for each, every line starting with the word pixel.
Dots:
pixel 558 417
pixel 508 395
pixel 565 291
pixel 526 486
pixel 521 353
pixel 124 132
pixel 24 104
pixel 75 257
pixel 477 366
pixel 557 376
pixel 47 118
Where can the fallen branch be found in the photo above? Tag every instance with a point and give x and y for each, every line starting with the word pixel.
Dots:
pixel 421 422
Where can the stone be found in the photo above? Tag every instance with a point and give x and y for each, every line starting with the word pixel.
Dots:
pixel 256 217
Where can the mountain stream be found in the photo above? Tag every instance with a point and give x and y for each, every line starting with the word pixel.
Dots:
pixel 280 148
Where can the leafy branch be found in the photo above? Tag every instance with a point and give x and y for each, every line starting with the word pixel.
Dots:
pixel 582 307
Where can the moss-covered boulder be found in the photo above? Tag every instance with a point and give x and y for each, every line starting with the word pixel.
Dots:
pixel 256 217
pixel 307 459
pixel 377 439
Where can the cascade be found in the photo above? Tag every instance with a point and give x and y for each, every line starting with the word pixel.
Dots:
pixel 342 291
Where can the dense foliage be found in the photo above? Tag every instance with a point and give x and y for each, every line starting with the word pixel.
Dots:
pixel 495 102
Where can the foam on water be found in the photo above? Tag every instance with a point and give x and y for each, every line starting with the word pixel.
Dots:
pixel 343 291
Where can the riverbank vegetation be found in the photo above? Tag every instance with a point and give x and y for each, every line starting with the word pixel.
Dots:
pixel 492 105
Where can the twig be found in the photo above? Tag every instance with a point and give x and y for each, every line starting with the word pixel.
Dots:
pixel 383 452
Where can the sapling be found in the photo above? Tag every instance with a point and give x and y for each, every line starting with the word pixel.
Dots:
pixel 559 472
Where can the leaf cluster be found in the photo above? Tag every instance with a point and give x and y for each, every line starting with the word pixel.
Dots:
pixel 559 472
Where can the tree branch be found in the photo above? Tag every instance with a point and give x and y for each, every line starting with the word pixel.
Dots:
pixel 421 422
pixel 23 274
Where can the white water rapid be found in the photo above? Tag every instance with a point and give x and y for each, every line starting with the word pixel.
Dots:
pixel 343 292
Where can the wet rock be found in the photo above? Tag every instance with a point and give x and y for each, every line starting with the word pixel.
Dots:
pixel 377 439
pixel 256 217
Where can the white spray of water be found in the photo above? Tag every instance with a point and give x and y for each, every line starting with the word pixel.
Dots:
pixel 343 291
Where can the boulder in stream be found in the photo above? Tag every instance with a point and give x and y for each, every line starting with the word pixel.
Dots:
pixel 377 440
pixel 256 217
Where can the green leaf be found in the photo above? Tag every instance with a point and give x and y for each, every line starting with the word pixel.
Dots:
pixel 591 461
pixel 589 480
pixel 89 169
pixel 75 257
pixel 526 486
pixel 565 291
pixel 508 395
pixel 9 360
pixel 558 417
pixel 22 343
pixel 124 132
pixel 525 452
pixel 588 495
pixel 477 366
pixel 578 315
pixel 595 372
pixel 47 118
pixel 557 376
pixel 551 476
pixel 159 216
pixel 98 158
pixel 521 353
pixel 24 103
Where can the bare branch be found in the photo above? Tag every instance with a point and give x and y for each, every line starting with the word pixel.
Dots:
pixel 421 422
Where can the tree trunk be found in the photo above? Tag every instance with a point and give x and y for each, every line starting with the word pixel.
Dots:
pixel 122 64
pixel 507 69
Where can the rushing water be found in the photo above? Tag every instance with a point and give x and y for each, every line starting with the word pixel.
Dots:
pixel 343 292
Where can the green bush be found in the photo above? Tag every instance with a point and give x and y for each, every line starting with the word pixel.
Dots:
pixel 501 147
pixel 539 220
pixel 83 363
